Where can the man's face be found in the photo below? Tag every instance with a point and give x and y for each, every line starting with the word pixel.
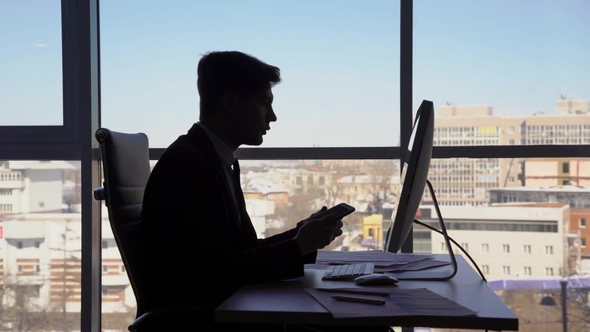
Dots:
pixel 254 116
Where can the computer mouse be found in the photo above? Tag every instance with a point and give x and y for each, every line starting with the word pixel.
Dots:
pixel 375 279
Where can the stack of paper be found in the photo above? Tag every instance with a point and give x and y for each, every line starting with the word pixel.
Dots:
pixel 383 261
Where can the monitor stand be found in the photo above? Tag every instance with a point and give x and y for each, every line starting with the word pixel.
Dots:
pixel 437 274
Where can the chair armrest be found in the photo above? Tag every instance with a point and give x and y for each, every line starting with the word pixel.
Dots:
pixel 99 194
pixel 172 313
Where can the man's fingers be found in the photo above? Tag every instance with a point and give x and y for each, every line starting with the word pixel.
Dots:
pixel 328 219
pixel 320 211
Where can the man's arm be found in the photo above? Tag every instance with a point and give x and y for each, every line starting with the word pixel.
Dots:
pixel 290 234
pixel 187 196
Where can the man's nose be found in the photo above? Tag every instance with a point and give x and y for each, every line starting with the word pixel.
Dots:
pixel 272 116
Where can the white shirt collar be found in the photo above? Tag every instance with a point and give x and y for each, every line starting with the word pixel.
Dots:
pixel 224 152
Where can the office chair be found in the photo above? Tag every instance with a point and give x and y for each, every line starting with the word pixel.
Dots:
pixel 126 169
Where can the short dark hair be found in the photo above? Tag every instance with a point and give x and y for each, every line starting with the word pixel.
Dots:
pixel 231 71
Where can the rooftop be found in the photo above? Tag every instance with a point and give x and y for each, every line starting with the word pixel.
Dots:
pixel 561 189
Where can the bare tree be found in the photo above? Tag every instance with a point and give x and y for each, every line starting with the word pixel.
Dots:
pixel 19 310
pixel 300 207
pixel 380 183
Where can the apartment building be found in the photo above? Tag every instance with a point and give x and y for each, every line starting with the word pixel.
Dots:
pixel 41 263
pixel 31 186
pixel 548 172
pixel 578 198
pixel 504 241
pixel 463 181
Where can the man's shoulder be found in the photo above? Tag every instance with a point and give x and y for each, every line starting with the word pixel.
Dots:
pixel 182 153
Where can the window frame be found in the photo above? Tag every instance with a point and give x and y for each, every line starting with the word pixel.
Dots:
pixel 74 140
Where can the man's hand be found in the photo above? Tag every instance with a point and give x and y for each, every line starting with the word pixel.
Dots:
pixel 337 229
pixel 317 233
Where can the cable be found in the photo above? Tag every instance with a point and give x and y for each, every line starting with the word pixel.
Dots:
pixel 457 244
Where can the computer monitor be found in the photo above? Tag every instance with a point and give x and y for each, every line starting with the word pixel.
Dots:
pixel 414 171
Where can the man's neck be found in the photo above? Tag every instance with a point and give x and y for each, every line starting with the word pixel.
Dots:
pixel 220 130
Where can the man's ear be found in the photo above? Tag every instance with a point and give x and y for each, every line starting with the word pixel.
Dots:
pixel 229 102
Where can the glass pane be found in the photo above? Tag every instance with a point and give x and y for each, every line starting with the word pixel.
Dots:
pixel 40 243
pixel 339 62
pixel 31 63
pixel 119 307
pixel 520 221
pixel 504 74
pixel 279 194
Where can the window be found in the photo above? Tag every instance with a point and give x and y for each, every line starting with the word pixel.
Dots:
pixel 527 249
pixel 105 269
pixel 582 222
pixel 310 180
pixel 40 26
pixel 506 248
pixel 465 246
pixel 583 240
pixel 105 244
pixel 37 268
pixel 549 250
pixel 565 167
pixel 485 247
pixel 19 245
pixel 37 244
pixel 105 291
pixel 482 57
pixel 511 142
pixel 122 269
pixel 527 271
pixel 374 79
pixel 549 271
pixel 20 269
pixel 485 269
pixel 506 270
pixel 322 180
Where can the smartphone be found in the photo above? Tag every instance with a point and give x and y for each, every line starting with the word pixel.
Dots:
pixel 341 210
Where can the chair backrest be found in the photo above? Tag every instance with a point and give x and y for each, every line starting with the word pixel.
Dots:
pixel 126 170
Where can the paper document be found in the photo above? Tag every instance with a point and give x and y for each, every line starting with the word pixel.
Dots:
pixel 377 257
pixel 414 266
pixel 400 302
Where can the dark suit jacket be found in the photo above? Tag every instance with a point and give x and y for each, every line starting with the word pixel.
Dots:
pixel 196 253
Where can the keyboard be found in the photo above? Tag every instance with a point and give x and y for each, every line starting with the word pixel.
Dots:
pixel 348 271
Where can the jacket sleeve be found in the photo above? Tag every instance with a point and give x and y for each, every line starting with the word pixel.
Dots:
pixel 307 259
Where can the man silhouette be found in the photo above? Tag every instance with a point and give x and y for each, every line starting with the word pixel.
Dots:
pixel 199 243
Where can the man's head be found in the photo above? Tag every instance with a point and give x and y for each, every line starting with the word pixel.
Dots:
pixel 235 91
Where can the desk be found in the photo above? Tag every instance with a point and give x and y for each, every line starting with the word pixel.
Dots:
pixel 287 302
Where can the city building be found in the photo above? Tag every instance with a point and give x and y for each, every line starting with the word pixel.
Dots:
pixel 464 181
pixel 32 186
pixel 40 260
pixel 548 172
pixel 578 198
pixel 504 241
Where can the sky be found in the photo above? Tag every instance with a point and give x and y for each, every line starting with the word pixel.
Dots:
pixel 339 61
